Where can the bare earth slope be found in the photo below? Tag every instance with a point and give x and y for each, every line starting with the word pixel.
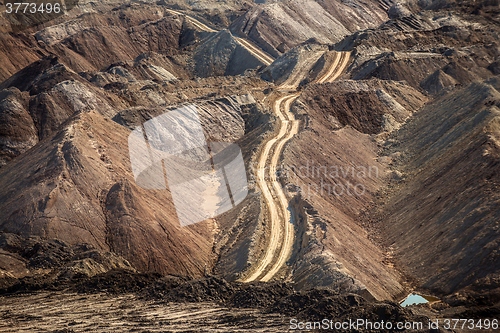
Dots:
pixel 335 165
pixel 279 26
pixel 379 183
pixel 441 220
pixel 78 187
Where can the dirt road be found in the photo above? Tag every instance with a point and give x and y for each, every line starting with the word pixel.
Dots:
pixel 337 67
pixel 249 46
pixel 281 231
pixel 257 52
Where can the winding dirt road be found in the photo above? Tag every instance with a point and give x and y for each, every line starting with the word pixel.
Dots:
pixel 281 228
pixel 281 236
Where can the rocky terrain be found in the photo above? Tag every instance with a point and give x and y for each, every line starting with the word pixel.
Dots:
pixel 370 134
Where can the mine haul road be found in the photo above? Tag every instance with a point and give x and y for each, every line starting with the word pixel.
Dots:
pixel 281 230
pixel 337 67
pixel 281 238
pixel 265 58
pixel 281 233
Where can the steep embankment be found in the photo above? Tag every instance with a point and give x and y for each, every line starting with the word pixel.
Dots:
pixel 15 53
pixel 441 218
pixel 334 169
pixel 279 26
pixel 75 183
pixel 77 186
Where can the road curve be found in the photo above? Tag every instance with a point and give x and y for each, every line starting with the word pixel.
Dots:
pixel 340 61
pixel 281 229
pixel 287 222
pixel 281 237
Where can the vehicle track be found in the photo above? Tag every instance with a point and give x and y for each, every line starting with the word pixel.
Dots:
pixel 340 62
pixel 281 234
pixel 281 237
pixel 103 313
pixel 249 46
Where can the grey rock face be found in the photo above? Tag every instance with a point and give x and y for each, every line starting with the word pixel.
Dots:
pixel 17 130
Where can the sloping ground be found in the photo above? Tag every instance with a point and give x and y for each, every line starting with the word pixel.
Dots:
pixel 223 55
pixel 151 66
pixel 334 65
pixel 370 106
pixel 390 66
pixel 66 171
pixel 239 228
pixel 40 97
pixel 135 302
pixel 77 183
pixel 77 186
pixel 210 6
pixel 459 47
pixel 255 50
pixel 437 82
pixel 334 168
pixel 215 116
pixel 15 53
pixel 90 40
pixel 93 41
pixel 101 313
pixel 17 130
pixel 279 26
pixel 441 220
pixel 51 260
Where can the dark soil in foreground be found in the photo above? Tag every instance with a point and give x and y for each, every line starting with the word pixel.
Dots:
pixel 267 298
